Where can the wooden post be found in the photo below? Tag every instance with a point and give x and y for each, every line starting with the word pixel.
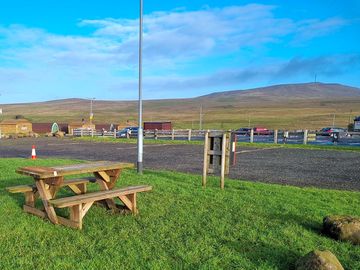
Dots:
pixel 223 156
pixel 92 133
pixel 206 159
pixel 173 134
pixel 155 134
pixel 252 135
pixel 114 133
pixel 189 135
pixel 81 132
pixel 275 136
pixel 305 136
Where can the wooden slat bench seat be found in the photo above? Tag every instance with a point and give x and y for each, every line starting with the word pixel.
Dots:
pixel 97 196
pixel 20 189
pixel 80 204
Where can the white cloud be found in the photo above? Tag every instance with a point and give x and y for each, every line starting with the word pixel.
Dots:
pixel 107 57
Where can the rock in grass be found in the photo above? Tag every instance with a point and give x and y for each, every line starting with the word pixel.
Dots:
pixel 318 260
pixel 344 228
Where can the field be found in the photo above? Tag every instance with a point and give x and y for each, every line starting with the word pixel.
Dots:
pixel 302 106
pixel 181 225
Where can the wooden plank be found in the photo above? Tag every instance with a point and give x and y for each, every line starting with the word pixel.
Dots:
pixel 75 189
pixel 130 202
pixel 30 198
pixel 206 161
pixel 109 202
pixel 223 157
pixel 86 207
pixel 76 181
pixel 76 214
pixel 104 176
pixel 20 188
pixel 45 197
pixel 97 196
pixel 42 214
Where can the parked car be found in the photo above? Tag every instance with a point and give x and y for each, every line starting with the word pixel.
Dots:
pixel 328 130
pixel 132 131
pixel 261 131
pixel 243 131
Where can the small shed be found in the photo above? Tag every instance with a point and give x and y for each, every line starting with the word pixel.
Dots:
pixel 158 125
pixel 16 126
pixel 72 126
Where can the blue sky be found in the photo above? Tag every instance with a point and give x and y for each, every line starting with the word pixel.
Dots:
pixel 62 49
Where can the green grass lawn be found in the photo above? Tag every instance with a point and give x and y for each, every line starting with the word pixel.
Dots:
pixel 180 225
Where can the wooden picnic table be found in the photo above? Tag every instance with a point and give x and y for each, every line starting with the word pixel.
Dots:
pixel 48 181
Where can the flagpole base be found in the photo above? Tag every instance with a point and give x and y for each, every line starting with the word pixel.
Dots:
pixel 139 167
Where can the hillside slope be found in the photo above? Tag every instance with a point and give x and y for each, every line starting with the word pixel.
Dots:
pixel 293 106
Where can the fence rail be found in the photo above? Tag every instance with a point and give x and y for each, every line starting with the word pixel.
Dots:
pixel 273 136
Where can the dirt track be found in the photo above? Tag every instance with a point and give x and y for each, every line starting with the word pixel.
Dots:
pixel 325 169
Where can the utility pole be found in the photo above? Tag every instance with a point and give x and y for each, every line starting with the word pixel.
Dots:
pixel 140 129
pixel 350 116
pixel 201 117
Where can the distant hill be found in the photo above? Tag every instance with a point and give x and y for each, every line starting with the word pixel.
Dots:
pixel 291 91
pixel 291 106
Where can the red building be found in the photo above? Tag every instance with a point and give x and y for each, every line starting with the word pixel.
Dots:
pixel 157 125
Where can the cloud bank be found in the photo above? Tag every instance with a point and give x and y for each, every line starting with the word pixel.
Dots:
pixel 181 52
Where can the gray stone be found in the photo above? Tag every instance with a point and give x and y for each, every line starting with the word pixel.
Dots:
pixel 318 260
pixel 344 228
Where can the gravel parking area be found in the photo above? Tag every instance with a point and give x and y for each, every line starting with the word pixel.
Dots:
pixel 299 167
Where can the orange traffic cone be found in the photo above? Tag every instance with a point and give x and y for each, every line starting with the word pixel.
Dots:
pixel 33 152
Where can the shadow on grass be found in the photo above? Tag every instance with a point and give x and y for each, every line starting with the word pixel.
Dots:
pixel 278 257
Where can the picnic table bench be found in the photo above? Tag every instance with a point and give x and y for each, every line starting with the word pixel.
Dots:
pixel 48 181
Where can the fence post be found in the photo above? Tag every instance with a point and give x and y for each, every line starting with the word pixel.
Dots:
pixel 189 135
pixel 305 136
pixel 173 134
pixel 114 133
pixel 81 132
pixel 252 135
pixel 275 136
pixel 155 134
pixel 92 133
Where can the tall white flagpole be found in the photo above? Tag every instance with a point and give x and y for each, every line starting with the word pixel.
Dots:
pixel 140 130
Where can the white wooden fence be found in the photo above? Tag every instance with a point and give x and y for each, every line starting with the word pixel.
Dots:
pixel 275 136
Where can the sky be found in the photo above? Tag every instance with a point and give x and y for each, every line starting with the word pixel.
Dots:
pixel 89 49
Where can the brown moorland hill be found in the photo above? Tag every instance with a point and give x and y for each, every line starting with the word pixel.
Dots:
pixel 290 106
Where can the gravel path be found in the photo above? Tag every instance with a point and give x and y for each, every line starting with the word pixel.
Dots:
pixel 299 167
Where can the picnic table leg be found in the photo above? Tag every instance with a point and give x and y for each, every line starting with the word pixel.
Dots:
pixel 76 215
pixel 130 202
pixel 110 203
pixel 45 195
pixel 107 180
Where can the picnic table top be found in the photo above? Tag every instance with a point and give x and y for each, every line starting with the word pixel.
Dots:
pixel 54 171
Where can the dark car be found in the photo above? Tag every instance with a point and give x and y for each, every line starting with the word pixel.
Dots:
pixel 243 131
pixel 132 131
pixel 327 131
